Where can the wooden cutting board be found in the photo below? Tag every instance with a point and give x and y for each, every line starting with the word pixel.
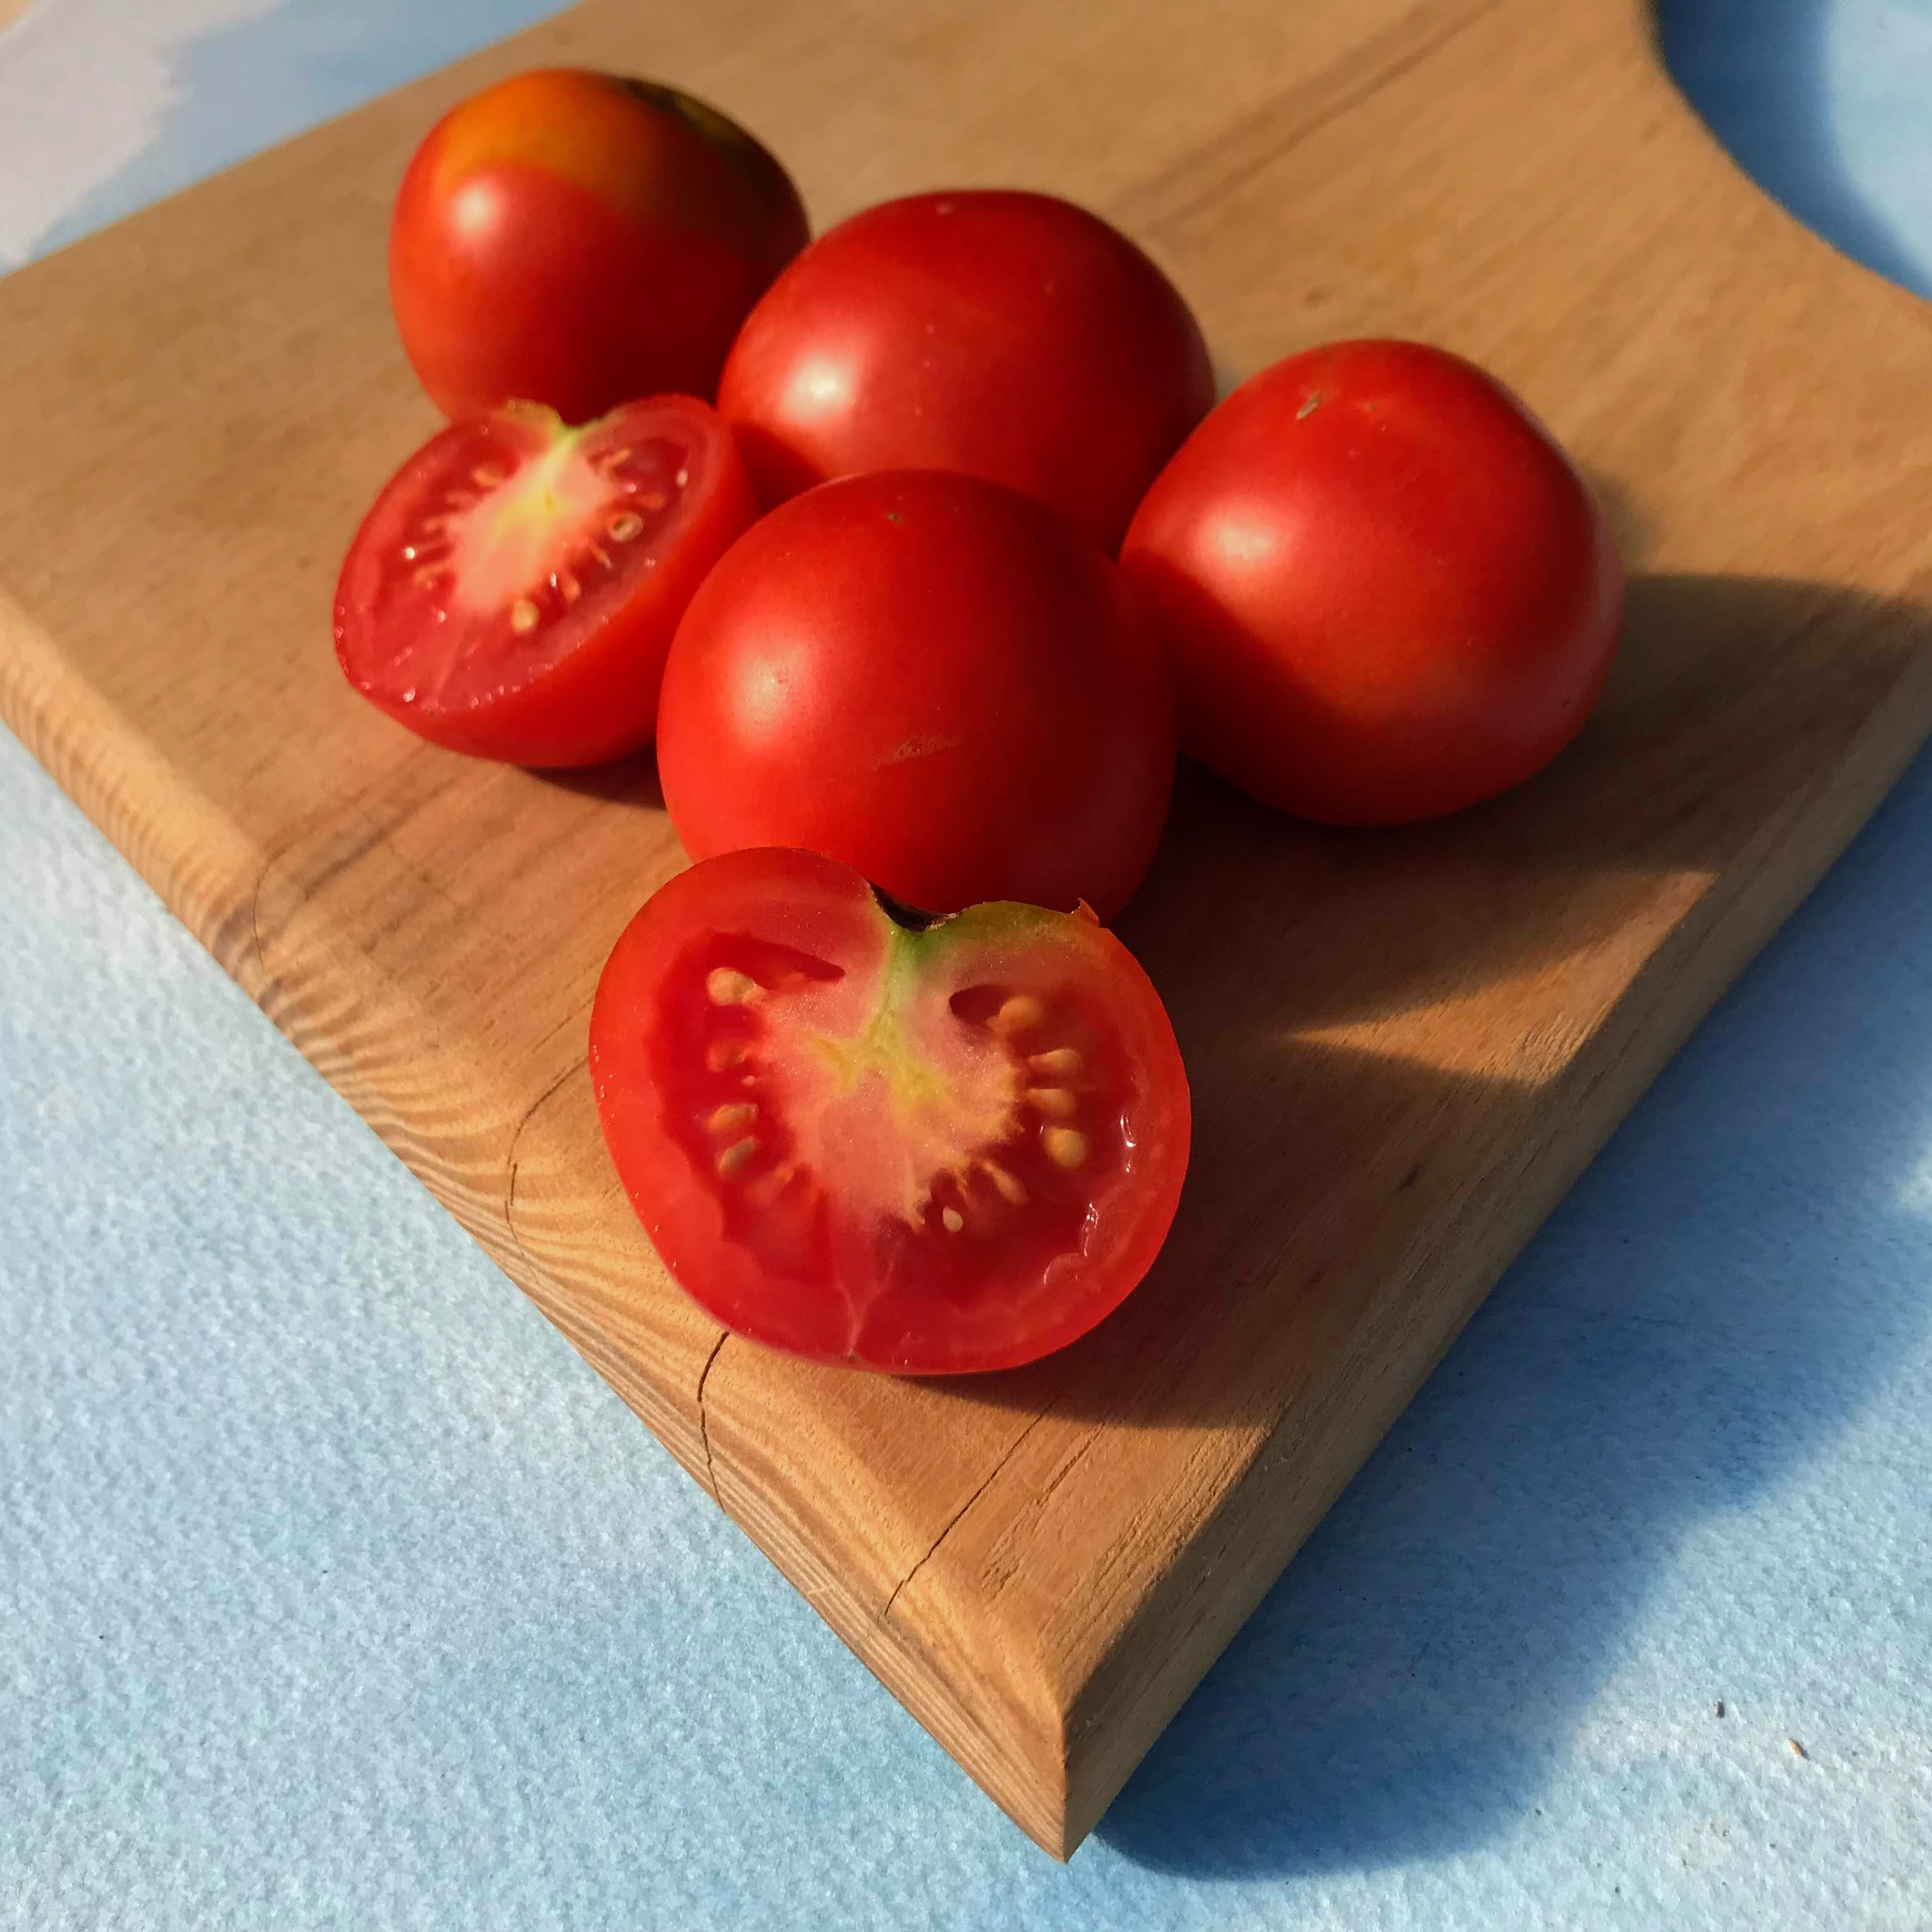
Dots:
pixel 1403 1046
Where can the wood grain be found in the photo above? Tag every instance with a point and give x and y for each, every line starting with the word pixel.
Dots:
pixel 1404 1047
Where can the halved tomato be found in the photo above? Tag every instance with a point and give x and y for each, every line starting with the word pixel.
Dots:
pixel 925 1147
pixel 514 592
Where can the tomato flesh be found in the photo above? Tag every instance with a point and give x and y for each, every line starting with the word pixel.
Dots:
pixel 929 1149
pixel 514 590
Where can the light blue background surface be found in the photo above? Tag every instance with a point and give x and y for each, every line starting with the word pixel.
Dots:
pixel 334 1590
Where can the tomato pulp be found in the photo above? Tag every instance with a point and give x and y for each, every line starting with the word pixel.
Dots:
pixel 924 1148
pixel 580 240
pixel 933 679
pixel 1386 592
pixel 514 592
pixel 1012 336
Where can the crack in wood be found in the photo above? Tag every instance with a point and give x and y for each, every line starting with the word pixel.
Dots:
pixel 704 1417
pixel 986 1483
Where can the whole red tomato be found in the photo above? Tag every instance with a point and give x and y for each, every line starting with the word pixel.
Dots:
pixel 578 240
pixel 930 677
pixel 1013 336
pixel 923 1148
pixel 1386 593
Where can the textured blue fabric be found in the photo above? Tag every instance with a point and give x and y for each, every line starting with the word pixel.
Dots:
pixel 335 1590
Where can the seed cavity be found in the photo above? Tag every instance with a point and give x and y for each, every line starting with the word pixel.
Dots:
pixel 732 1115
pixel 728 987
pixel 524 616
pixel 626 525
pixel 952 1219
pixel 1011 1188
pixel 736 1156
pixel 1066 1147
pixel 1058 1062
pixel 1055 1102
pixel 1017 1014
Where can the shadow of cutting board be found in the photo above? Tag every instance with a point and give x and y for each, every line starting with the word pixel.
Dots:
pixel 1403 1046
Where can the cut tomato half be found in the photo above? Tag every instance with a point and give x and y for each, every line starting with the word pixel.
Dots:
pixel 928 1147
pixel 514 592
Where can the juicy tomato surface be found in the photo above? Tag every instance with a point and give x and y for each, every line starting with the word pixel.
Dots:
pixel 514 590
pixel 932 678
pixel 1386 593
pixel 927 1150
pixel 579 240
pixel 1011 335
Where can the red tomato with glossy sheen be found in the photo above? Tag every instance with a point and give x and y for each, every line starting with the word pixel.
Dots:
pixel 579 240
pixel 926 1150
pixel 514 590
pixel 1013 336
pixel 1386 593
pixel 932 678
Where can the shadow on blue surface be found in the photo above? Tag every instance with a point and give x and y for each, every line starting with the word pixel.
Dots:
pixel 1758 71
pixel 1407 1687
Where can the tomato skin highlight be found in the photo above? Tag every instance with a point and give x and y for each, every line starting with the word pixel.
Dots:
pixel 1386 592
pixel 1013 336
pixel 423 639
pixel 759 1114
pixel 929 677
pixel 578 240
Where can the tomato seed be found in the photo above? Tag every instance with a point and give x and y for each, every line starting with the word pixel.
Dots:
pixel 1059 1060
pixel 626 525
pixel 683 477
pixel 1055 1102
pixel 1012 1190
pixel 1019 1013
pixel 733 1114
pixel 729 987
pixel 736 1155
pixel 1066 1147
pixel 953 1219
pixel 524 616
pixel 488 476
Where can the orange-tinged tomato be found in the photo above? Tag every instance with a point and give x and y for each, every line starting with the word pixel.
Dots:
pixel 580 240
